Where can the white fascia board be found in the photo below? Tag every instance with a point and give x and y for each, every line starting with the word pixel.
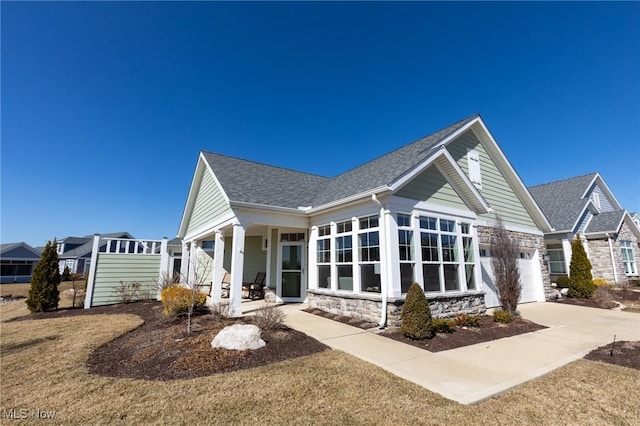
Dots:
pixel 379 191
pixel 576 224
pixel 512 176
pixel 266 207
pixel 482 203
pixel 604 188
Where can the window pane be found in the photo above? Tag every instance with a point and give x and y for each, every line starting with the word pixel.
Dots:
pixel 431 275
pixel 324 230
pixel 464 228
pixel 369 247
pixel 404 220
pixel 557 267
pixel 447 225
pixel 343 249
pixel 471 281
pixel 428 223
pixel 449 252
pixel 370 277
pixel 345 277
pixel 406 249
pixel 406 276
pixel 451 278
pixel 429 247
pixel 324 276
pixel 468 249
pixel 343 227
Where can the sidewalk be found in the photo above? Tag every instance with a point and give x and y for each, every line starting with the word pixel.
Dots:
pixel 474 373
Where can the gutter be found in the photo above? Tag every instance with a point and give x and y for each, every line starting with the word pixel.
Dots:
pixel 613 262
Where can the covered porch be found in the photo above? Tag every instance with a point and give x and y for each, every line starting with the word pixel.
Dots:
pixel 244 246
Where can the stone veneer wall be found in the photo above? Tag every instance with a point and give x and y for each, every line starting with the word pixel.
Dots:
pixel 526 241
pixel 600 255
pixel 369 307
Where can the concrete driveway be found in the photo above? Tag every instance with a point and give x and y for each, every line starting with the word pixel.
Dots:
pixel 474 373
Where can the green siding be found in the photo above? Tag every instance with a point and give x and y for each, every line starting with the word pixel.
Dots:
pixel 495 188
pixel 114 269
pixel 431 186
pixel 209 204
pixel 255 259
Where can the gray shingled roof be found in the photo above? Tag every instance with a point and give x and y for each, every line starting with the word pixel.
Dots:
pixel 605 222
pixel 27 250
pixel 87 247
pixel 562 201
pixel 257 183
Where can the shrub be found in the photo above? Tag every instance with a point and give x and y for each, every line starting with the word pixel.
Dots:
pixel 177 299
pixel 43 293
pixel 466 320
pixel 271 317
pixel 221 310
pixel 599 282
pixel 580 279
pixel 130 292
pixel 603 297
pixel 66 274
pixel 444 325
pixel 562 281
pixel 501 316
pixel 416 322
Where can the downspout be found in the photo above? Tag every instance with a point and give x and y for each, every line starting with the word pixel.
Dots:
pixel 613 259
pixel 383 314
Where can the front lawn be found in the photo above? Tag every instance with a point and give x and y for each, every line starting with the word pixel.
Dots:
pixel 44 367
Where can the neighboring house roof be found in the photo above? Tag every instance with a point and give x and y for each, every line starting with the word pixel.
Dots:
pixel 87 244
pixel 562 201
pixel 175 242
pixel 20 250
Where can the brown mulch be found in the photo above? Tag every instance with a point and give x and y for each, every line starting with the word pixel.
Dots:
pixel 488 330
pixel 626 354
pixel 625 296
pixel 161 350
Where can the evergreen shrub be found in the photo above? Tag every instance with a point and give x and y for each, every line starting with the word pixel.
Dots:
pixel 580 278
pixel 43 293
pixel 416 322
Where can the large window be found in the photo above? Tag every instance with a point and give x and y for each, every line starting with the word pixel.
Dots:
pixel 447 255
pixel 369 260
pixel 557 264
pixel 344 256
pixel 628 260
pixel 323 257
pixel 405 246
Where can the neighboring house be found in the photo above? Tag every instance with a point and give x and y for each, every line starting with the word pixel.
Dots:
pixel 17 262
pixel 75 252
pixel 354 243
pixel 585 205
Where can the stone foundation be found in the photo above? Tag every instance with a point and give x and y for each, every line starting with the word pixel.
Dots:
pixel 369 307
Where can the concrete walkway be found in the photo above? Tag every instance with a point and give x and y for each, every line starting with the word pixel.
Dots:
pixel 474 373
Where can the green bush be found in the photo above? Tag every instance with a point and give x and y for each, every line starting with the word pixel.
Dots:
pixel 580 278
pixel 504 317
pixel 177 299
pixel 562 281
pixel 43 293
pixel 416 322
pixel 66 274
pixel 444 325
pixel 466 320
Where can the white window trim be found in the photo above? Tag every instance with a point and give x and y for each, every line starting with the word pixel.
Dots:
pixel 632 269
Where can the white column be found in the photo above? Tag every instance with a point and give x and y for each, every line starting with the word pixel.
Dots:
pixel 164 266
pixel 184 264
pixel 392 257
pixel 88 298
pixel 237 267
pixel 355 247
pixel 192 273
pixel 218 270
pixel 312 272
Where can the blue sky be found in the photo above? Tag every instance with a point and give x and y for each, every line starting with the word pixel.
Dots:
pixel 105 106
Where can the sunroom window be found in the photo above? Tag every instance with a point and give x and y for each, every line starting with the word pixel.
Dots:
pixel 628 260
pixel 557 264
pixel 344 256
pixel 405 246
pixel 323 256
pixel 369 260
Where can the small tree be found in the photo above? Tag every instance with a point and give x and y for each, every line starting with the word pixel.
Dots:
pixel 416 315
pixel 43 293
pixel 580 278
pixel 66 274
pixel 504 259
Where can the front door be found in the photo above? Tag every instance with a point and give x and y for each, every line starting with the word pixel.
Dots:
pixel 292 279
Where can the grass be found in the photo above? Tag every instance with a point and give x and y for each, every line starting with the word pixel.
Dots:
pixel 43 366
pixel 22 290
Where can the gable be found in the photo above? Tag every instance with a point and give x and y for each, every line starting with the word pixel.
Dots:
pixel 433 187
pixel 605 203
pixel 495 188
pixel 209 203
pixel 19 252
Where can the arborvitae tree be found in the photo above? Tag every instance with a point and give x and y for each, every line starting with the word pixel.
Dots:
pixel 580 278
pixel 416 315
pixel 43 294
pixel 504 259
pixel 66 274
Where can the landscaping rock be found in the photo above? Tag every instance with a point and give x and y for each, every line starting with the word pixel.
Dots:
pixel 239 337
pixel 564 291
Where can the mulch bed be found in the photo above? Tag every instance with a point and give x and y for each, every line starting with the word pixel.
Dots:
pixel 626 354
pixel 488 330
pixel 161 350
pixel 624 296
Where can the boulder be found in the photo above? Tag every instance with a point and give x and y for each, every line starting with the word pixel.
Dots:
pixel 564 291
pixel 238 337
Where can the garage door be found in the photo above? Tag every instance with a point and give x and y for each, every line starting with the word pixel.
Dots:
pixel 530 278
